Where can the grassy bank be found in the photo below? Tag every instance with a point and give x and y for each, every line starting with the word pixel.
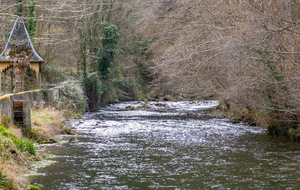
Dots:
pixel 17 150
pixel 17 153
pixel 47 123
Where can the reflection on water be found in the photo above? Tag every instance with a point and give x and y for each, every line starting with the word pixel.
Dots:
pixel 180 146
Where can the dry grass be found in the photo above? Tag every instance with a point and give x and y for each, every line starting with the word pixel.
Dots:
pixel 47 122
pixel 16 131
pixel 15 173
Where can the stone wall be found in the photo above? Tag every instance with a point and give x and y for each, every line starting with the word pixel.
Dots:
pixel 6 102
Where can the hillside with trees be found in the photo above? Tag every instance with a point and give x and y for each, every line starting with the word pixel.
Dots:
pixel 243 53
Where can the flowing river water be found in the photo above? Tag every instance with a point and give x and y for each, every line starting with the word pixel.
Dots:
pixel 177 146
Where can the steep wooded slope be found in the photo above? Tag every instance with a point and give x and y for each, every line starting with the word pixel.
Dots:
pixel 246 53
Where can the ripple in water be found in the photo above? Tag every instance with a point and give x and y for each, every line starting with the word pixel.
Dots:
pixel 179 146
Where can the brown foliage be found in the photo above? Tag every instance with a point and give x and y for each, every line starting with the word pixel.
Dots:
pixel 243 52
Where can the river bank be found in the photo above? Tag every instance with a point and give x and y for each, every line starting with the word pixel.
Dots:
pixel 18 150
pixel 276 123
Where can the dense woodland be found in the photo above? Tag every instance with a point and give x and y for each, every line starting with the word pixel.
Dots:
pixel 244 53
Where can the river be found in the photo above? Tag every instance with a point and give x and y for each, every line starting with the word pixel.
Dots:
pixel 179 145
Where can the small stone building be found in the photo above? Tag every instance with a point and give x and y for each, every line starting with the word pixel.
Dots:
pixel 19 49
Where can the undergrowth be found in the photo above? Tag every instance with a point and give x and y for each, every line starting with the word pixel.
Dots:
pixel 9 142
pixel 5 183
pixel 16 155
pixel 72 99
pixel 275 122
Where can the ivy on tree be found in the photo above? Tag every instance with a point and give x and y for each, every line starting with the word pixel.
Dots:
pixel 107 53
pixel 31 24
pixel 19 7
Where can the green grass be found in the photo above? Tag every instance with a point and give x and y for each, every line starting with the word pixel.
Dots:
pixel 32 187
pixel 48 118
pixel 24 145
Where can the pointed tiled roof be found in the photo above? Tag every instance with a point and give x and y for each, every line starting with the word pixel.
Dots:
pixel 19 41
